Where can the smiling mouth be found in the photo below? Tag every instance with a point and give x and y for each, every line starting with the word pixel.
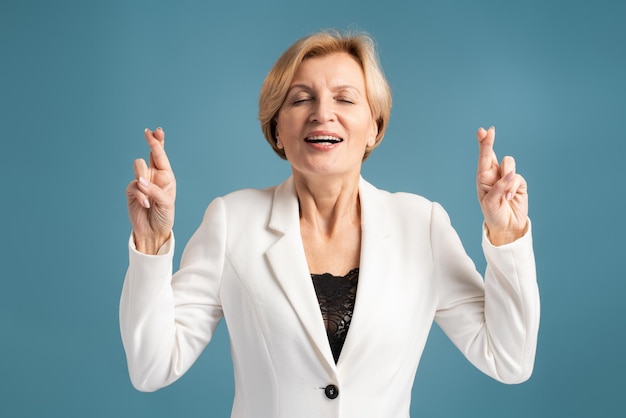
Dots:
pixel 323 139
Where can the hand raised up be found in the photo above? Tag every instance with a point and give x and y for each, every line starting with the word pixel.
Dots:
pixel 502 193
pixel 151 196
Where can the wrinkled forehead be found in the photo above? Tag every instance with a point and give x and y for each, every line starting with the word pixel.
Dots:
pixel 340 66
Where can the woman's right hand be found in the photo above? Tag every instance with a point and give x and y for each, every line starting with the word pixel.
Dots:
pixel 151 196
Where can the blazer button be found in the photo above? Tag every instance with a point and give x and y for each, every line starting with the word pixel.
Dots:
pixel 331 391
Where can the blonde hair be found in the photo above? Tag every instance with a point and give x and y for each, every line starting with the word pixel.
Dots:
pixel 278 80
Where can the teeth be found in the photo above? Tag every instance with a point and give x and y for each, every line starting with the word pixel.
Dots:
pixel 323 138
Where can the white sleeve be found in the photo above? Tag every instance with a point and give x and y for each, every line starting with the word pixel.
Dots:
pixel 494 322
pixel 167 320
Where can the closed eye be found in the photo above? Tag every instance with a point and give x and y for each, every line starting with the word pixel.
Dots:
pixel 298 100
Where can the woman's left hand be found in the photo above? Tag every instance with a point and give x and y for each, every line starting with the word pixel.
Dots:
pixel 502 193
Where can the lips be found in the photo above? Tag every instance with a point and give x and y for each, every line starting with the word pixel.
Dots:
pixel 323 139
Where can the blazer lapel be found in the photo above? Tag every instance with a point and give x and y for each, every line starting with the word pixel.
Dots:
pixel 375 249
pixel 288 261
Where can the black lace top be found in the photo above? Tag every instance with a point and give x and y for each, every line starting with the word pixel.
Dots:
pixel 336 297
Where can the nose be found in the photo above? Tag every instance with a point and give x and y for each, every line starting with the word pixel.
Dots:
pixel 323 110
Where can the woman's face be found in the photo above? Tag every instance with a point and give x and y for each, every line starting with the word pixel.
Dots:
pixel 326 123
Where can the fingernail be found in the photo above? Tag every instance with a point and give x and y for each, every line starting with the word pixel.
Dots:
pixel 509 196
pixel 145 130
pixel 146 204
pixel 509 176
pixel 159 129
pixel 143 182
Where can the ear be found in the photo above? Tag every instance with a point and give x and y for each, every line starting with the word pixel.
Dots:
pixel 373 134
pixel 279 144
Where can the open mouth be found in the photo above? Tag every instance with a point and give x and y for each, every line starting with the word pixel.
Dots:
pixel 323 139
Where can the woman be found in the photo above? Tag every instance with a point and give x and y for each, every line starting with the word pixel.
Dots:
pixel 328 285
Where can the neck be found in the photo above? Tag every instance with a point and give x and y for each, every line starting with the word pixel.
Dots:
pixel 327 204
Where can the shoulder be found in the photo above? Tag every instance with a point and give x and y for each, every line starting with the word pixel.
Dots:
pixel 248 196
pixel 244 204
pixel 239 212
pixel 398 210
pixel 409 200
pixel 396 201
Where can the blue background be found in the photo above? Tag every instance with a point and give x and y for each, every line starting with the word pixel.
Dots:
pixel 80 80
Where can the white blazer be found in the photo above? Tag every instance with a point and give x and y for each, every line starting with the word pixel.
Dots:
pixel 246 262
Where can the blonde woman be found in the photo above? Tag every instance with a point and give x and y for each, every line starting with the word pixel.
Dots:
pixel 328 285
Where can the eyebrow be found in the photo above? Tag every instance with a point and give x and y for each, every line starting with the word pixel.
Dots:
pixel 336 88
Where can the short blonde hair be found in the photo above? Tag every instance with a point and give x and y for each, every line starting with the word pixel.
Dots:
pixel 278 80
